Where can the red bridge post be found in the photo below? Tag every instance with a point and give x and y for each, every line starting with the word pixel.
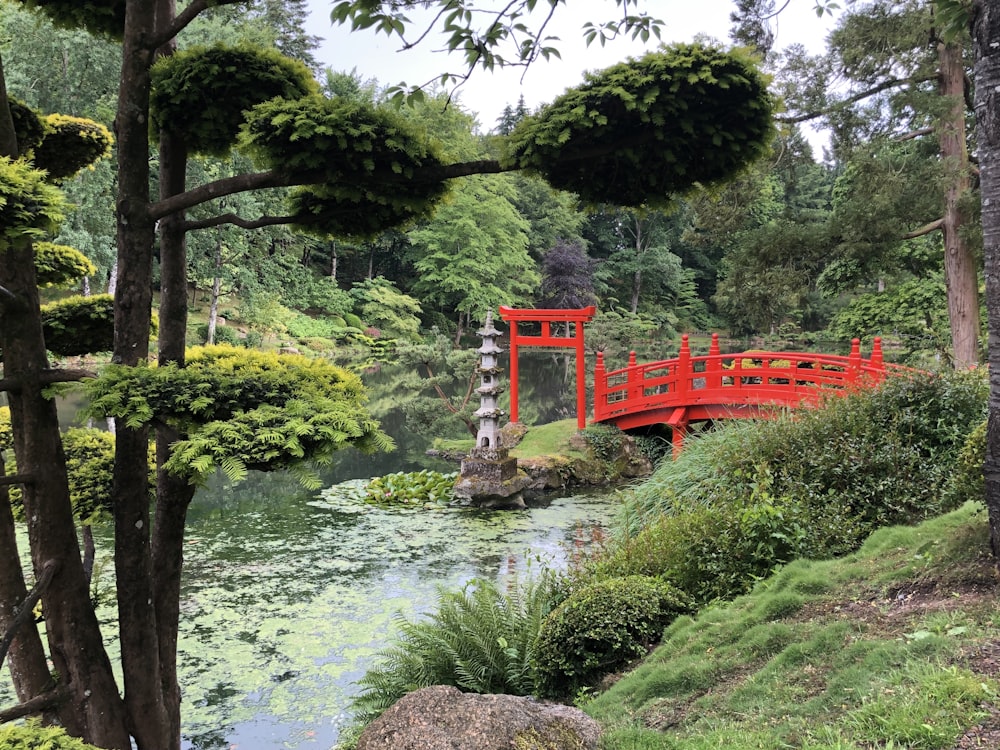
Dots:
pixel 600 387
pixel 713 367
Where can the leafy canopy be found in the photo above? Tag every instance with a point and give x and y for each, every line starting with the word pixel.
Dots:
pixel 202 93
pixel 643 131
pixel 70 144
pixel 243 410
pixel 364 159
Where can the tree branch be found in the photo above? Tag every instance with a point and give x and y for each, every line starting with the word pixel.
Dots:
pixel 9 299
pixel 924 230
pixel 13 383
pixel 185 17
pixel 25 611
pixel 913 134
pixel 37 704
pixel 67 375
pixel 228 186
pixel 884 86
pixel 263 221
pixel 16 479
pixel 274 179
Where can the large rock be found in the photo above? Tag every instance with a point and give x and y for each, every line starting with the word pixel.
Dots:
pixel 444 718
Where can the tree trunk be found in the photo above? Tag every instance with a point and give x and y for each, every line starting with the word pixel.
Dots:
pixel 333 261
pixel 960 267
pixel 173 494
pixel 133 564
pixel 986 45
pixel 94 708
pixel 213 308
pixel 26 657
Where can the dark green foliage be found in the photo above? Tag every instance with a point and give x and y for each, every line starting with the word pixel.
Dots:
pixel 605 441
pixel 29 207
pixel 105 17
pixel 75 326
pixel 600 628
pixel 71 144
pixel 223 335
pixel 752 495
pixel 966 481
pixel 365 160
pixel 481 639
pixel 57 265
pixel 33 736
pixel 202 94
pixel 28 126
pixel 688 114
pixel 243 410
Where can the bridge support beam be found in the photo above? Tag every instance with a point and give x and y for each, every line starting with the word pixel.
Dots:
pixel 678 422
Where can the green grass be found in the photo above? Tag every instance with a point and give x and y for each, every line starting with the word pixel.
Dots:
pixel 874 650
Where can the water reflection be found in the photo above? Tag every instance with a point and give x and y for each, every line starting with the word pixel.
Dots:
pixel 287 601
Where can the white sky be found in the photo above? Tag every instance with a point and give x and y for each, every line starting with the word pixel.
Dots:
pixel 376 56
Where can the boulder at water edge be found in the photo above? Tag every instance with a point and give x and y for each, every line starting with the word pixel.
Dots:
pixel 443 718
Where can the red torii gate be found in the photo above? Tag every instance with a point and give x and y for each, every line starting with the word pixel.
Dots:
pixel 572 338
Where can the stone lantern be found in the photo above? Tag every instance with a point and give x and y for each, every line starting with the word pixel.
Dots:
pixel 489 475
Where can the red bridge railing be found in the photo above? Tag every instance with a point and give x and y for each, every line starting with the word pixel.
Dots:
pixel 691 388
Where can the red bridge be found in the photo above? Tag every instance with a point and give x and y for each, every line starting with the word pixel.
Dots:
pixel 687 389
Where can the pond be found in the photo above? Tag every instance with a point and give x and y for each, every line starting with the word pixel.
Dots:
pixel 288 598
pixel 288 595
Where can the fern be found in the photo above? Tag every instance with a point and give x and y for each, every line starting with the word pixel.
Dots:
pixel 480 639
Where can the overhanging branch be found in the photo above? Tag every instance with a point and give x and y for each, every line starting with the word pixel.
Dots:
pixel 239 221
pixel 924 230
pixel 36 705
pixel 25 612
pixel 853 99
pixel 228 186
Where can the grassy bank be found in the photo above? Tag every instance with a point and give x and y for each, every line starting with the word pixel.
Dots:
pixel 894 646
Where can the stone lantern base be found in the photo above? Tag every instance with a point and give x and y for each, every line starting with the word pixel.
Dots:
pixel 489 478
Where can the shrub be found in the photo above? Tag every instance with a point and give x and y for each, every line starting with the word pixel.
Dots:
pixel 223 335
pixel 966 481
pixel 480 640
pixel 600 628
pixel 33 736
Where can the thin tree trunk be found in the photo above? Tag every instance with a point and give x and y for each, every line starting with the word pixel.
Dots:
pixel 133 564
pixel 960 267
pixel 213 309
pixel 26 657
pixel 94 708
pixel 986 44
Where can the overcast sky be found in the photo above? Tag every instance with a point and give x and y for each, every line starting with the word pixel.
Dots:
pixel 376 56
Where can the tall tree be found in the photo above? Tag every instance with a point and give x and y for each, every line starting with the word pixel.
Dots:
pixel 905 81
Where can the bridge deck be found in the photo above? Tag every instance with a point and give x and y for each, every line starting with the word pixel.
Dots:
pixel 689 388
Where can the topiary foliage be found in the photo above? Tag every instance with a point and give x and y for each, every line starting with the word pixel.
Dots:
pixel 106 17
pixel 599 629
pixel 243 410
pixel 29 207
pixel 28 126
pixel 6 434
pixel 367 157
pixel 201 94
pixel 78 325
pixel 70 144
pixel 358 211
pixel 33 736
pixel 56 265
pixel 643 131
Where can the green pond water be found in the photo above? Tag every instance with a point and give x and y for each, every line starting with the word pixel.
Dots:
pixel 286 603
pixel 289 595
